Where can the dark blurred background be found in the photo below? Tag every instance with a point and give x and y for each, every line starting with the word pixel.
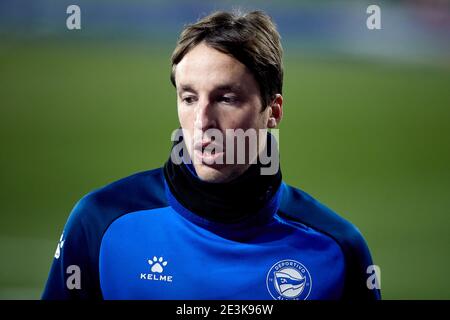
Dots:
pixel 366 127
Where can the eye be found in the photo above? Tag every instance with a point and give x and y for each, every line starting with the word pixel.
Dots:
pixel 228 99
pixel 188 100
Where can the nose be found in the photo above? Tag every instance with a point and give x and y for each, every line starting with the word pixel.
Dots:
pixel 205 117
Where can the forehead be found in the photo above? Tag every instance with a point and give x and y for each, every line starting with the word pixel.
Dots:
pixel 204 67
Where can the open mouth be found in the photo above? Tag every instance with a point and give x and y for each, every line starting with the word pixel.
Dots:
pixel 207 147
pixel 209 153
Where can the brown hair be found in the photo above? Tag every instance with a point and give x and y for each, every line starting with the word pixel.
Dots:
pixel 251 38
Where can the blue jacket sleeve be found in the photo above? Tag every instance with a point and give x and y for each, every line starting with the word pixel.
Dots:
pixel 73 272
pixel 300 206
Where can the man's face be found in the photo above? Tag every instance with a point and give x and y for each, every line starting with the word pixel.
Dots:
pixel 216 91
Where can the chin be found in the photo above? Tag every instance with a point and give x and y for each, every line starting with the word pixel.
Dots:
pixel 214 174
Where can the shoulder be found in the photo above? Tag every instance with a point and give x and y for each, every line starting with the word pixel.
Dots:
pixel 299 206
pixel 92 215
pixel 96 211
pixel 140 191
pixel 142 187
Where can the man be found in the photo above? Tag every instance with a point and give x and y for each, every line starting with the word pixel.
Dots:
pixel 209 225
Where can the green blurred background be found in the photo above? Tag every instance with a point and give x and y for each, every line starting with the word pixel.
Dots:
pixel 366 127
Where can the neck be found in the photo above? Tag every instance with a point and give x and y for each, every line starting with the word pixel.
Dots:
pixel 227 202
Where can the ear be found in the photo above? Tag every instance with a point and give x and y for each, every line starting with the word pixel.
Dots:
pixel 275 112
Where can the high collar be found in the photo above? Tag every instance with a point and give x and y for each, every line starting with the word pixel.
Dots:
pixel 249 198
pixel 240 230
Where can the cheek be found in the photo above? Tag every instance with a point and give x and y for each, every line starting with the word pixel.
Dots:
pixel 263 119
pixel 187 125
pixel 248 120
pixel 185 118
pixel 250 116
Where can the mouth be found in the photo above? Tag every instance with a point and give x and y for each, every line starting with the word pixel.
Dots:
pixel 208 152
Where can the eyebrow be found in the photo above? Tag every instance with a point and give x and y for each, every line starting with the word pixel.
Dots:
pixel 228 87
pixel 187 87
pixel 225 87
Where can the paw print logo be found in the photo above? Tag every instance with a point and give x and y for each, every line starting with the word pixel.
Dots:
pixel 157 264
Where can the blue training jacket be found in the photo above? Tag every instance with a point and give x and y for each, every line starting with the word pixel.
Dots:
pixel 132 239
